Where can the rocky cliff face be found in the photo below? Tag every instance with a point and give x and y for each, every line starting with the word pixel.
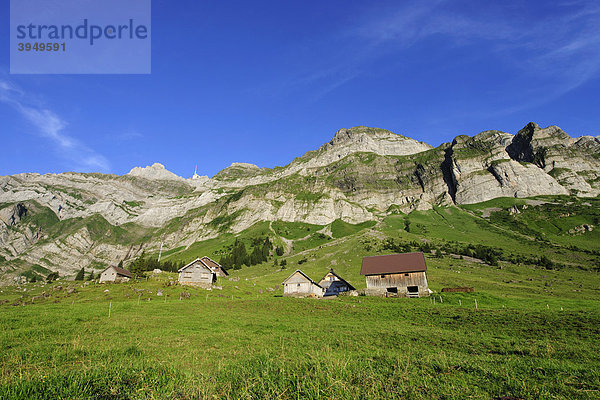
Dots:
pixel 71 220
pixel 496 164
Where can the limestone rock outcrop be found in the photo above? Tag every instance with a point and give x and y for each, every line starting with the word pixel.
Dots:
pixel 361 174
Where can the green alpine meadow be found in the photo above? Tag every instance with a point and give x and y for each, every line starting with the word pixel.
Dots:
pixel 98 302
pixel 300 200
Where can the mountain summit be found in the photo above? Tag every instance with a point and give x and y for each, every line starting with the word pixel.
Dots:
pixel 155 171
pixel 366 140
pixel 375 140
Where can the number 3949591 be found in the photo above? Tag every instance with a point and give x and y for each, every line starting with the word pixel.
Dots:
pixel 41 46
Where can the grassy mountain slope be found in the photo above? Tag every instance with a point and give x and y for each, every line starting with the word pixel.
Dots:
pixel 552 224
pixel 528 331
pixel 532 334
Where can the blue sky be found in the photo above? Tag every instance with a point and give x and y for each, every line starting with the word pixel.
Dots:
pixel 265 81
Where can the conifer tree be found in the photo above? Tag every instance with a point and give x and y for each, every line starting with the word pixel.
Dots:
pixel 239 254
pixel 80 275
pixel 256 257
pixel 266 249
pixel 52 276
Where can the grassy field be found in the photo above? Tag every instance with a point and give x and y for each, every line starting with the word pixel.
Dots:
pixel 245 341
pixel 270 347
pixel 526 332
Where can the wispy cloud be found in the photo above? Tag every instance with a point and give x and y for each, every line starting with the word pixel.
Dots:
pixel 130 134
pixel 555 52
pixel 562 48
pixel 51 126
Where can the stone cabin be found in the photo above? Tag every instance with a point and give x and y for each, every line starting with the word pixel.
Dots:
pixel 298 284
pixel 201 272
pixel 334 284
pixel 401 275
pixel 115 274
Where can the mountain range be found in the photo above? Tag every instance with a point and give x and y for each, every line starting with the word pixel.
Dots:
pixel 63 222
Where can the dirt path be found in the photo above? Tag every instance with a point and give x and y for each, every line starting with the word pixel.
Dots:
pixel 326 231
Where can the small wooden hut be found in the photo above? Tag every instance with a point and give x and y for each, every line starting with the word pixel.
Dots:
pixel 334 284
pixel 396 275
pixel 114 274
pixel 298 284
pixel 197 273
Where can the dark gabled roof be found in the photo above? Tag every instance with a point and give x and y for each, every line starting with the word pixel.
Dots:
pixel 120 271
pixel 304 275
pixel 323 283
pixel 192 263
pixel 207 262
pixel 210 263
pixel 393 264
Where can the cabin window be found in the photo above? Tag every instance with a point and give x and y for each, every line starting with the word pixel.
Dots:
pixel 297 285
pixel 392 290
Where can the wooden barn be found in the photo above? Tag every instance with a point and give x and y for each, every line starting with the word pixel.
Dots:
pixel 334 284
pixel 298 284
pixel 214 267
pixel 197 273
pixel 114 274
pixel 396 275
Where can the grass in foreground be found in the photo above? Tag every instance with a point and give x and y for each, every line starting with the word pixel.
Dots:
pixel 272 347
